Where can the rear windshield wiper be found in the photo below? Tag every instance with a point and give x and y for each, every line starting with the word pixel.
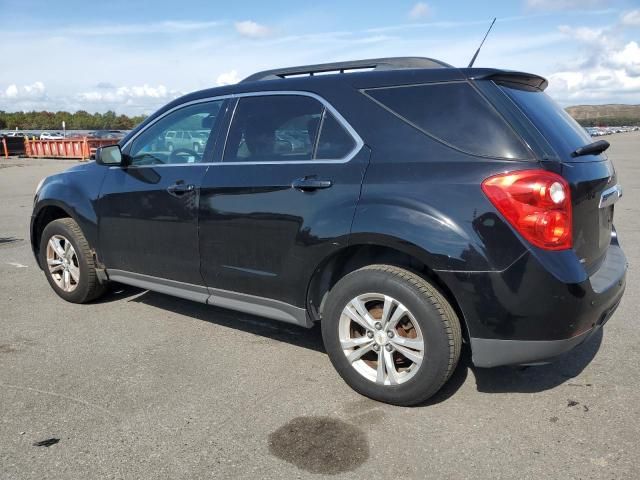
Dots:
pixel 591 149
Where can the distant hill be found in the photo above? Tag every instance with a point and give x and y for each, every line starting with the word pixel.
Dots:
pixel 596 115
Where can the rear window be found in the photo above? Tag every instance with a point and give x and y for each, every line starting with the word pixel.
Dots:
pixel 455 114
pixel 561 131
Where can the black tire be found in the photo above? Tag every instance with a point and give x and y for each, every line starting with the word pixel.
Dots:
pixel 436 318
pixel 88 287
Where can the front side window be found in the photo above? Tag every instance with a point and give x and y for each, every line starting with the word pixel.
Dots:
pixel 169 140
pixel 285 128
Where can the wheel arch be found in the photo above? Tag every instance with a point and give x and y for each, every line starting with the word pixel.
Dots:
pixel 389 251
pixel 47 212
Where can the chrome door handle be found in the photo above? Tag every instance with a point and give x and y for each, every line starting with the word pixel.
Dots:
pixel 180 188
pixel 308 184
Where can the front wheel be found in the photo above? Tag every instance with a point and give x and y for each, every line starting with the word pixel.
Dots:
pixel 68 262
pixel 391 335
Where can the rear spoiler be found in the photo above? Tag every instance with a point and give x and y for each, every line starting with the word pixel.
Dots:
pixel 505 76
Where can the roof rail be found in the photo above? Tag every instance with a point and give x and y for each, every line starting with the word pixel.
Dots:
pixel 390 63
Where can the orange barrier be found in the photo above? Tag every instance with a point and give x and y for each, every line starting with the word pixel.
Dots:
pixel 4 144
pixel 81 148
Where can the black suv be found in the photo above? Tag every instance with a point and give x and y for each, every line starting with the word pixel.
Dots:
pixel 407 205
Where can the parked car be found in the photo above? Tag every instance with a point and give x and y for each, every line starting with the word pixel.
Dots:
pixel 184 139
pixel 107 134
pixel 432 206
pixel 15 133
pixel 51 136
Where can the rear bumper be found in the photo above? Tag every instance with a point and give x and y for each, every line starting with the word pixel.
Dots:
pixel 489 352
pixel 526 314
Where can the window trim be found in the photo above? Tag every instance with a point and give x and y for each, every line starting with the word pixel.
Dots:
pixel 359 143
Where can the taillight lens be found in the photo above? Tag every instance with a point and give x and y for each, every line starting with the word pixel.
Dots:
pixel 536 203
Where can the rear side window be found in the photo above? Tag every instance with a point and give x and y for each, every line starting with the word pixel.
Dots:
pixel 455 114
pixel 285 128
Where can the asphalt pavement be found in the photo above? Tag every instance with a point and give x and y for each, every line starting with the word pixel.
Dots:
pixel 145 386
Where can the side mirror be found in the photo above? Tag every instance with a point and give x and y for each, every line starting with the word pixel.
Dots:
pixel 109 155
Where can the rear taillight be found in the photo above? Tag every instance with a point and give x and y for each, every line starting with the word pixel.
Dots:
pixel 536 203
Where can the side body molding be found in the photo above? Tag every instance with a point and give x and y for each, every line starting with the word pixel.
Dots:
pixel 264 307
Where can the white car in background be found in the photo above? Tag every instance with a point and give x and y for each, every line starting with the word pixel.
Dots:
pixel 51 136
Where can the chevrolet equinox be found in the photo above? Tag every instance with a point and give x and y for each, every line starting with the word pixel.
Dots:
pixel 406 205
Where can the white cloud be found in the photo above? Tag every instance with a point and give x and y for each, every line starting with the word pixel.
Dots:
pixel 564 4
pixel 419 10
pixel 35 90
pixel 31 96
pixel 228 78
pixel 11 91
pixel 128 94
pixel 251 29
pixel 631 18
pixel 609 69
pixel 584 34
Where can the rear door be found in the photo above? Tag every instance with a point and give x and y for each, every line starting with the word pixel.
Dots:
pixel 282 199
pixel 593 180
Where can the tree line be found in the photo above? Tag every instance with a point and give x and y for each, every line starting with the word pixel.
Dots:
pixel 609 121
pixel 80 120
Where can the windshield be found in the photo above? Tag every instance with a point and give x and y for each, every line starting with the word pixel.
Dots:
pixel 561 131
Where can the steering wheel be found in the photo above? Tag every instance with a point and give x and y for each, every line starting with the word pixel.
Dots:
pixel 182 152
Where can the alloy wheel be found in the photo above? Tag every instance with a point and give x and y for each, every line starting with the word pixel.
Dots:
pixel 62 262
pixel 381 339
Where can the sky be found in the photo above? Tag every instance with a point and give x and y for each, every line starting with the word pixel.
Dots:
pixel 133 57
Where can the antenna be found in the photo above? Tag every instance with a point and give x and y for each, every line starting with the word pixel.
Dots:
pixel 481 43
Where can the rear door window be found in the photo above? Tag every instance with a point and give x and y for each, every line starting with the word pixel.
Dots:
pixel 273 128
pixel 334 141
pixel 455 114
pixel 285 128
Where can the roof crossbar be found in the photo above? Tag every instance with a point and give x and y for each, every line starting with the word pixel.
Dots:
pixel 390 63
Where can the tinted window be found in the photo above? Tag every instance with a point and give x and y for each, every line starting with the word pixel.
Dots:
pixel 335 142
pixel 273 128
pixel 455 114
pixel 161 143
pixel 557 126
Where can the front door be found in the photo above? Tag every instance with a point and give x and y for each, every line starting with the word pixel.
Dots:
pixel 148 209
pixel 282 199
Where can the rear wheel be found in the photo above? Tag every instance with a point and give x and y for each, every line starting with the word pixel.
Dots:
pixel 391 335
pixel 68 262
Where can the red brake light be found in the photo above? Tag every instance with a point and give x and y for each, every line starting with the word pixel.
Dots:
pixel 536 203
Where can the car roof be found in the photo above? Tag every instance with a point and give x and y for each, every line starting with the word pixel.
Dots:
pixel 394 71
pixel 362 74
